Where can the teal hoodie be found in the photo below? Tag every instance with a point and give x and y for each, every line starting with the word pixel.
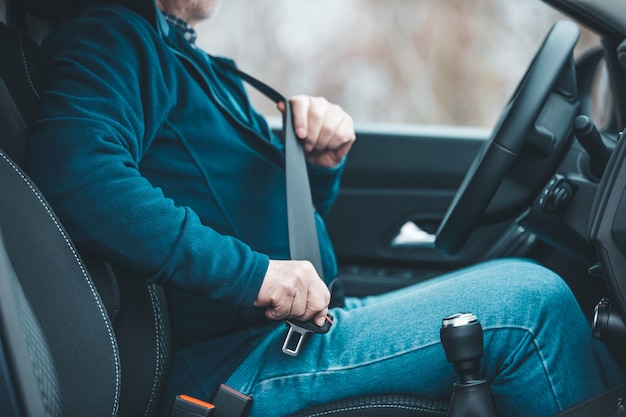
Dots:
pixel 155 161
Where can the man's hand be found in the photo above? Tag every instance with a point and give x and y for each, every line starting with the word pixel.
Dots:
pixel 326 129
pixel 293 289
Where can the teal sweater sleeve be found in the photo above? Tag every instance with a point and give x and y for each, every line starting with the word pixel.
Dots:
pixel 99 115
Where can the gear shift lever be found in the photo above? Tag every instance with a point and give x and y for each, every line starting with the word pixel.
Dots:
pixel 462 339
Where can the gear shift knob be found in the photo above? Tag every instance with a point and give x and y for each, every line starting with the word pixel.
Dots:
pixel 462 339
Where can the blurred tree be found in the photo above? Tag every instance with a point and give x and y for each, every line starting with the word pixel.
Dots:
pixel 453 62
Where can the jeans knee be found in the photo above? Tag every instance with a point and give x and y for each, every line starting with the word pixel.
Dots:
pixel 527 287
pixel 545 284
pixel 528 276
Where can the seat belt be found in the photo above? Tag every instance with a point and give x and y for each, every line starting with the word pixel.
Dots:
pixel 302 230
pixel 303 240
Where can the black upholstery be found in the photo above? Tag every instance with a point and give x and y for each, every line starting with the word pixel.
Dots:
pixel 82 331
pixel 383 405
pixel 19 87
pixel 96 378
pixel 65 301
pixel 25 347
pixel 142 331
pixel 47 265
pixel 58 10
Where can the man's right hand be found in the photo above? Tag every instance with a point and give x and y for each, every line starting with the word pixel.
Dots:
pixel 293 289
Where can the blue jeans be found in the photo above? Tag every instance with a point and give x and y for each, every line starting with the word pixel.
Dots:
pixel 539 354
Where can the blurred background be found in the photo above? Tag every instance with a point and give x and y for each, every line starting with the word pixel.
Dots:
pixel 441 62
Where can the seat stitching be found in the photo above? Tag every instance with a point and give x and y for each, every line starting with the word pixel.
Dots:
pixel 365 407
pixel 26 67
pixel 85 275
pixel 156 313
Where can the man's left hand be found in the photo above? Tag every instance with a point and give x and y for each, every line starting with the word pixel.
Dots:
pixel 326 129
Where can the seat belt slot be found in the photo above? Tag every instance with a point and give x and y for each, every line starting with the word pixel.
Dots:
pixel 230 403
pixel 187 406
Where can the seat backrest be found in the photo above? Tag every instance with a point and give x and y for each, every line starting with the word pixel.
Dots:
pixel 23 346
pixel 104 369
pixel 64 299
pixel 109 343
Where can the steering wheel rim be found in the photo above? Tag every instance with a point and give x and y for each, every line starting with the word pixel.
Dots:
pixel 509 136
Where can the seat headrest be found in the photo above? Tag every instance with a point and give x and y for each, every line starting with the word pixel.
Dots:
pixel 59 10
pixel 19 90
pixel 50 10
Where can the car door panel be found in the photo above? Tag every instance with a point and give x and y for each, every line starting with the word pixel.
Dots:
pixel 403 179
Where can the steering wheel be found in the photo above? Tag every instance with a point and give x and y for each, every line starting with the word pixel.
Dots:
pixel 495 159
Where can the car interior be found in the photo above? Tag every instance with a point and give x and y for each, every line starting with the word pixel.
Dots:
pixel 77 339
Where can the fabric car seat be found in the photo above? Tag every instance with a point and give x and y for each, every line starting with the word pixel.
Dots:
pixel 98 333
pixel 25 361
pixel 104 367
pixel 100 342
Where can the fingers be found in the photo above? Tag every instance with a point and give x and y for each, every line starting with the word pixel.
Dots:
pixel 320 318
pixel 316 120
pixel 300 106
pixel 293 289
pixel 327 130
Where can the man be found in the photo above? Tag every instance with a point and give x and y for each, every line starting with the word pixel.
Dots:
pixel 155 161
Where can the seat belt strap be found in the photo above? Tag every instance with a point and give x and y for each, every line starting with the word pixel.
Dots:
pixel 303 239
pixel 302 229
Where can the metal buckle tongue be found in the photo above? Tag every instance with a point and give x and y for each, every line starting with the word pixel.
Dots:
pixel 298 332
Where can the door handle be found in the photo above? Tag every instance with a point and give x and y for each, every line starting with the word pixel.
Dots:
pixel 411 235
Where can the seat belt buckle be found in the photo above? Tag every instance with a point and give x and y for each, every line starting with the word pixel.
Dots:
pixel 299 331
pixel 187 406
pixel 230 403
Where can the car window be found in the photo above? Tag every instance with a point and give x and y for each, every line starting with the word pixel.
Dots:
pixel 453 62
pixel 602 98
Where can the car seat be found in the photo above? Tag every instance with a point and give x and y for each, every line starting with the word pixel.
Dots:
pixel 75 339
pixel 92 326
